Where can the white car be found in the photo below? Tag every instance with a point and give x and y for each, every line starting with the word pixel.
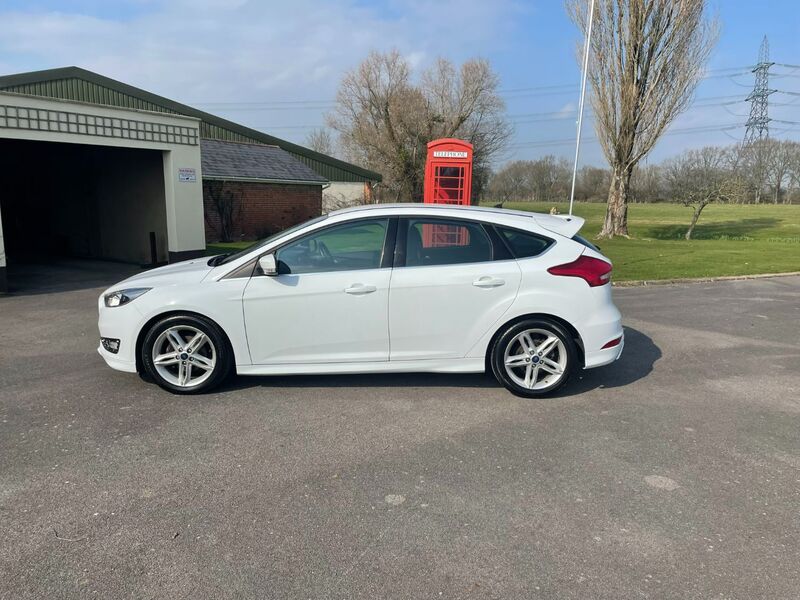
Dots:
pixel 384 288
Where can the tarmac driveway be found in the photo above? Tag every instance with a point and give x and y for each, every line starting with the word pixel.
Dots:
pixel 673 474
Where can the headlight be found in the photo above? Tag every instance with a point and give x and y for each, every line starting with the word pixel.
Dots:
pixel 123 296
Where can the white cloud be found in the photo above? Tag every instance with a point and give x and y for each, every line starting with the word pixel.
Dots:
pixel 218 50
pixel 567 110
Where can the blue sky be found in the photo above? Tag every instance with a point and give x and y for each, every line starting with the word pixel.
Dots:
pixel 276 65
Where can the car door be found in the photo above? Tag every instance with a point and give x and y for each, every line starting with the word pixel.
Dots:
pixel 452 281
pixel 329 302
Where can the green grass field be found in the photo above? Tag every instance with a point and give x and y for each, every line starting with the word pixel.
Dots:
pixel 729 240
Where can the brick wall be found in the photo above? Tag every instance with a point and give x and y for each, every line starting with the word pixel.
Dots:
pixel 261 208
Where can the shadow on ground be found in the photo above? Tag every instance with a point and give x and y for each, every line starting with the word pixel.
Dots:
pixel 65 275
pixel 711 231
pixel 637 361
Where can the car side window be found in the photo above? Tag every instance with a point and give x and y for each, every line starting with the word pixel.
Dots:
pixel 347 247
pixel 445 242
pixel 524 244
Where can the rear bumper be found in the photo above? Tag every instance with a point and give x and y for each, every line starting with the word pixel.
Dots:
pixel 603 326
pixel 598 358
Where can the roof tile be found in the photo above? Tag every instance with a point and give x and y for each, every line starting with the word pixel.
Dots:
pixel 253 161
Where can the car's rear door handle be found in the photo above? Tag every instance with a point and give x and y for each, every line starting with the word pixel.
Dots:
pixel 359 289
pixel 488 282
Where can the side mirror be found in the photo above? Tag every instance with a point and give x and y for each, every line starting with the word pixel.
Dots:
pixel 268 265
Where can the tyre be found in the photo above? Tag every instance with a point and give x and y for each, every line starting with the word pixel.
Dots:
pixel 534 357
pixel 186 354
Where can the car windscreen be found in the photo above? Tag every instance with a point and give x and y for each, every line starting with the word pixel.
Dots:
pixel 226 258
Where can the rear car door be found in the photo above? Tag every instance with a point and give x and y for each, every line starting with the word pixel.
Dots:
pixel 453 280
pixel 329 302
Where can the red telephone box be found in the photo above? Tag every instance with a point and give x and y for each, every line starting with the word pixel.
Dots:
pixel 448 180
pixel 448 172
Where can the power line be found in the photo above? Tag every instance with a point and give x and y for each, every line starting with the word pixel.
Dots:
pixel 562 115
pixel 683 131
pixel 540 117
pixel 511 93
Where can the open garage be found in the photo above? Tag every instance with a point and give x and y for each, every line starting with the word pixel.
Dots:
pixel 79 201
pixel 82 181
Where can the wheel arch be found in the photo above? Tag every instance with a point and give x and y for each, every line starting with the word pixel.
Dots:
pixel 563 322
pixel 173 313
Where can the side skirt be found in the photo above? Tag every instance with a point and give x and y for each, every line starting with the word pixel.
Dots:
pixel 459 365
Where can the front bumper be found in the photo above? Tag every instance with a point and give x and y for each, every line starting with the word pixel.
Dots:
pixel 122 323
pixel 115 362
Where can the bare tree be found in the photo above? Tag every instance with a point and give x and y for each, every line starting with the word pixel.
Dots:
pixel 647 58
pixel 755 160
pixel 226 204
pixel 592 183
pixel 512 182
pixel 781 160
pixel 699 177
pixel 794 177
pixel 550 178
pixel 320 140
pixel 385 119
pixel 646 183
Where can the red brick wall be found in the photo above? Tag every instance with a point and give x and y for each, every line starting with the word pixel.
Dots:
pixel 263 208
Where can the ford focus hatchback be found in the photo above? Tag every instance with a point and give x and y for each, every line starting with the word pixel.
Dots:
pixel 385 288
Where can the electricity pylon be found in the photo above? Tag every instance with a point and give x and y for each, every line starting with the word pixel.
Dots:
pixel 758 122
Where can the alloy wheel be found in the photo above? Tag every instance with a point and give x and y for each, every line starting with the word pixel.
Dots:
pixel 184 356
pixel 535 359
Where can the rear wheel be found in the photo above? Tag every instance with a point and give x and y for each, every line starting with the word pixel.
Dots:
pixel 534 357
pixel 186 354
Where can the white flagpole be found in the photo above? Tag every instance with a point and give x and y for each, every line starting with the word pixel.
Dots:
pixel 580 107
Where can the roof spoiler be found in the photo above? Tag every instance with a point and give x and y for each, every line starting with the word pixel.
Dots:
pixel 566 225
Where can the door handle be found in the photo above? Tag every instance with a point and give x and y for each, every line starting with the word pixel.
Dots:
pixel 359 289
pixel 488 282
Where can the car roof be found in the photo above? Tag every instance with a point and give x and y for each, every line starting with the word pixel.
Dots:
pixel 427 206
pixel 566 225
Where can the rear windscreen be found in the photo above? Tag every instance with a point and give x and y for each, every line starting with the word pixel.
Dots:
pixel 582 240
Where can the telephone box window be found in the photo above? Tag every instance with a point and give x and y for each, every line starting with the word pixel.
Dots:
pixel 449 185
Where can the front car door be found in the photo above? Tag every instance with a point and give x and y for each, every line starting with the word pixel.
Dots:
pixel 329 302
pixel 452 281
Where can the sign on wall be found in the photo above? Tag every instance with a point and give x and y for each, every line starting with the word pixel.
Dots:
pixel 187 175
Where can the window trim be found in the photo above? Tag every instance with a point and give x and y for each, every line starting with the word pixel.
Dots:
pixel 389 238
pixel 402 237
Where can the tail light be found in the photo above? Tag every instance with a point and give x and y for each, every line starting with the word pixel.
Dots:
pixel 592 270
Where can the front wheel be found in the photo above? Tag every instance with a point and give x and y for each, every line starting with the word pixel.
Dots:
pixel 186 354
pixel 534 357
